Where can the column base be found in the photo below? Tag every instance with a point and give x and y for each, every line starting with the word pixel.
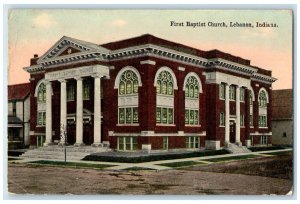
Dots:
pixel 227 144
pixel 97 144
pixel 239 144
pixel 212 144
pixel 248 143
pixel 78 144
pixel 61 144
pixel 46 144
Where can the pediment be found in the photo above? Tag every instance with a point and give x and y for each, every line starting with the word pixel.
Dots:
pixel 68 51
pixel 69 46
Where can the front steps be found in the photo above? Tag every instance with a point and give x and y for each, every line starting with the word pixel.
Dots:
pixel 235 149
pixel 56 152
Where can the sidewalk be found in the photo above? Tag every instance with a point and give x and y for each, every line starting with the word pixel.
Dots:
pixel 155 165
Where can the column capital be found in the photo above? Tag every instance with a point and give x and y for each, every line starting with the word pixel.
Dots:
pixel 97 75
pixel 62 80
pixel 78 78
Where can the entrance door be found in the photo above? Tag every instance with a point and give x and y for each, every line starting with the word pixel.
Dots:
pixel 71 134
pixel 232 131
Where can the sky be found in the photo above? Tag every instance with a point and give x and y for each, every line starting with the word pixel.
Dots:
pixel 34 31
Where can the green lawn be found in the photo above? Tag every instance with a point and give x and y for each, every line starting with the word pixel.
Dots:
pixel 233 158
pixel 285 153
pixel 181 164
pixel 71 164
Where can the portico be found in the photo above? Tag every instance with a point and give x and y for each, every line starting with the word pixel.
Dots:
pixel 95 71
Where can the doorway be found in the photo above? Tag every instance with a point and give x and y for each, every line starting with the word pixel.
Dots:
pixel 232 131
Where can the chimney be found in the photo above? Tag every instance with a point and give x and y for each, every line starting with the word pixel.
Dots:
pixel 35 55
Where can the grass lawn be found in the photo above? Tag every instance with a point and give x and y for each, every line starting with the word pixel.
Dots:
pixel 266 148
pixel 181 164
pixel 71 164
pixel 280 153
pixel 156 157
pixel 233 158
pixel 137 168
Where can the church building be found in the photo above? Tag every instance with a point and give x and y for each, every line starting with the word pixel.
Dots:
pixel 147 93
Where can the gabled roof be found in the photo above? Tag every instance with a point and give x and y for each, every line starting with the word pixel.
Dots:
pixel 18 91
pixel 65 42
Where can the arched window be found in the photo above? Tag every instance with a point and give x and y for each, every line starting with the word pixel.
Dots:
pixel 165 83
pixel 262 112
pixel 42 93
pixel 262 99
pixel 192 87
pixel 128 82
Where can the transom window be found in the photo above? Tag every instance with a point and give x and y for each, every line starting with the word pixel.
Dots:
pixel 262 99
pixel 128 83
pixel 192 87
pixel 164 83
pixel 127 143
pixel 192 142
pixel 42 93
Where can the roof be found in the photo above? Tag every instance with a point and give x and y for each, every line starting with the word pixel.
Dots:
pixel 14 120
pixel 150 39
pixel 18 91
pixel 282 104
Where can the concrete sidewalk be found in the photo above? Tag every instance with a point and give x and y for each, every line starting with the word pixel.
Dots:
pixel 156 164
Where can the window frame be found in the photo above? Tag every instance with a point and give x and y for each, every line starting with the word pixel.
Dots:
pixel 126 141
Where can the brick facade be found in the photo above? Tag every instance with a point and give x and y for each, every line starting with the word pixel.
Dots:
pixel 210 104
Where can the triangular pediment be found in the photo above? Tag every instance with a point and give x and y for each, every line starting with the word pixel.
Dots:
pixel 69 46
pixel 69 50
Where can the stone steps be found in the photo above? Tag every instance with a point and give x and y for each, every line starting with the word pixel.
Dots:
pixel 235 149
pixel 57 152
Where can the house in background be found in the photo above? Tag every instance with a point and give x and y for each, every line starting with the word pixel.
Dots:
pixel 282 118
pixel 18 115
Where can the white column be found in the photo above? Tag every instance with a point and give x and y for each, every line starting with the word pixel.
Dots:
pixel 227 113
pixel 79 113
pixel 63 109
pixel 48 114
pixel 238 116
pixel 97 110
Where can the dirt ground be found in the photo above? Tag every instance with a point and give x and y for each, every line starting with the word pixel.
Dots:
pixel 252 177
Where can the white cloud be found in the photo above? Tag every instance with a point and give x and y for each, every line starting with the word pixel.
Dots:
pixel 44 21
pixel 119 23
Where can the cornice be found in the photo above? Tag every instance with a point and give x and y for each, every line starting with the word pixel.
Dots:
pixel 153 51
